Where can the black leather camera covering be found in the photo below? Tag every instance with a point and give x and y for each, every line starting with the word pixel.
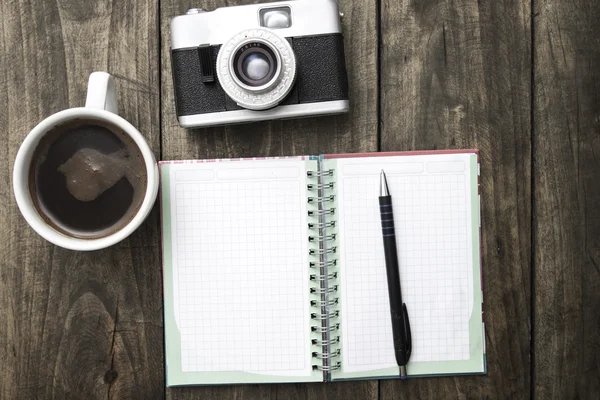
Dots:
pixel 321 68
pixel 320 76
pixel 192 96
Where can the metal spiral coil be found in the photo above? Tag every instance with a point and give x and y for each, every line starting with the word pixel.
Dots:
pixel 321 199
pixel 328 368
pixel 331 289
pixel 319 186
pixel 323 329
pixel 321 238
pixel 324 295
pixel 323 264
pixel 318 174
pixel 329 211
pixel 316 316
pixel 330 250
pixel 322 278
pixel 333 354
pixel 320 303
pixel 328 342
pixel 321 225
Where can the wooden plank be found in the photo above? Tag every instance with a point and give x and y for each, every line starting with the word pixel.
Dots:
pixel 77 325
pixel 456 74
pixel 566 146
pixel 354 132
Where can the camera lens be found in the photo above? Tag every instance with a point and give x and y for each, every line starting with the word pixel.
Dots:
pixel 256 68
pixel 255 64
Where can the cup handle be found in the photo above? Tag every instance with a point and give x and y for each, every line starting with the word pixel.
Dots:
pixel 101 92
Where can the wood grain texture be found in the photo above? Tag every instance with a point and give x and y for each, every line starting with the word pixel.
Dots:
pixel 354 132
pixel 456 74
pixel 77 325
pixel 567 200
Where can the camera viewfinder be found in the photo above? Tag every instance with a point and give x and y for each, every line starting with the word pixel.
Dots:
pixel 276 18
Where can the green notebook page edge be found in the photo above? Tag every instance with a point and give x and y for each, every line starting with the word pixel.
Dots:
pixel 477 361
pixel 174 374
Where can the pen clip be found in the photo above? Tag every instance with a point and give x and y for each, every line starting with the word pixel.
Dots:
pixel 407 334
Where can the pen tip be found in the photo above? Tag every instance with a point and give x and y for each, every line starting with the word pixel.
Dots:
pixel 383 187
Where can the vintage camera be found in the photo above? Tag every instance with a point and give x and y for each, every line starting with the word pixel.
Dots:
pixel 258 62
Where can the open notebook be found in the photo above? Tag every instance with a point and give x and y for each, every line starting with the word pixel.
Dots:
pixel 274 268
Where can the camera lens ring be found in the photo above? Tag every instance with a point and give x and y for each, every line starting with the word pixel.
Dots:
pixel 255 46
pixel 270 93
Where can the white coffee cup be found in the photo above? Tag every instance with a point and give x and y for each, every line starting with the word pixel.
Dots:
pixel 101 105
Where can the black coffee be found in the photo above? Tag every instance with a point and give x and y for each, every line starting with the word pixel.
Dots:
pixel 87 179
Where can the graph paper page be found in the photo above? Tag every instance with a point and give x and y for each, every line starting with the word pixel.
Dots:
pixel 432 213
pixel 240 270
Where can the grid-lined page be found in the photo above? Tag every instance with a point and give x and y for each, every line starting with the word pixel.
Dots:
pixel 431 203
pixel 239 246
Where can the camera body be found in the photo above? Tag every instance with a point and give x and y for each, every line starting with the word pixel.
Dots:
pixel 258 62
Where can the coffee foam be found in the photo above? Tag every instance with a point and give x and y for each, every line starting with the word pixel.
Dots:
pixel 89 173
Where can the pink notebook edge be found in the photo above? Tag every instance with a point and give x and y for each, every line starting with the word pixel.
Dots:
pixel 233 159
pixel 401 153
pixel 327 156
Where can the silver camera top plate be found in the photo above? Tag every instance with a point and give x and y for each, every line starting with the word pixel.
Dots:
pixel 309 17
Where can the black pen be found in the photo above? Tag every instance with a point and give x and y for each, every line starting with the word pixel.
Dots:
pixel 400 323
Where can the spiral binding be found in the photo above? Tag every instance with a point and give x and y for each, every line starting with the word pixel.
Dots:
pixel 325 329
pixel 320 186
pixel 330 198
pixel 321 225
pixel 326 250
pixel 321 303
pixel 329 342
pixel 322 264
pixel 328 367
pixel 321 238
pixel 336 313
pixel 323 251
pixel 321 278
pixel 329 211
pixel 319 174
pixel 335 353
pixel 321 290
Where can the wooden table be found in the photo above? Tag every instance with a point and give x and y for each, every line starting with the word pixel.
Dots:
pixel 518 79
